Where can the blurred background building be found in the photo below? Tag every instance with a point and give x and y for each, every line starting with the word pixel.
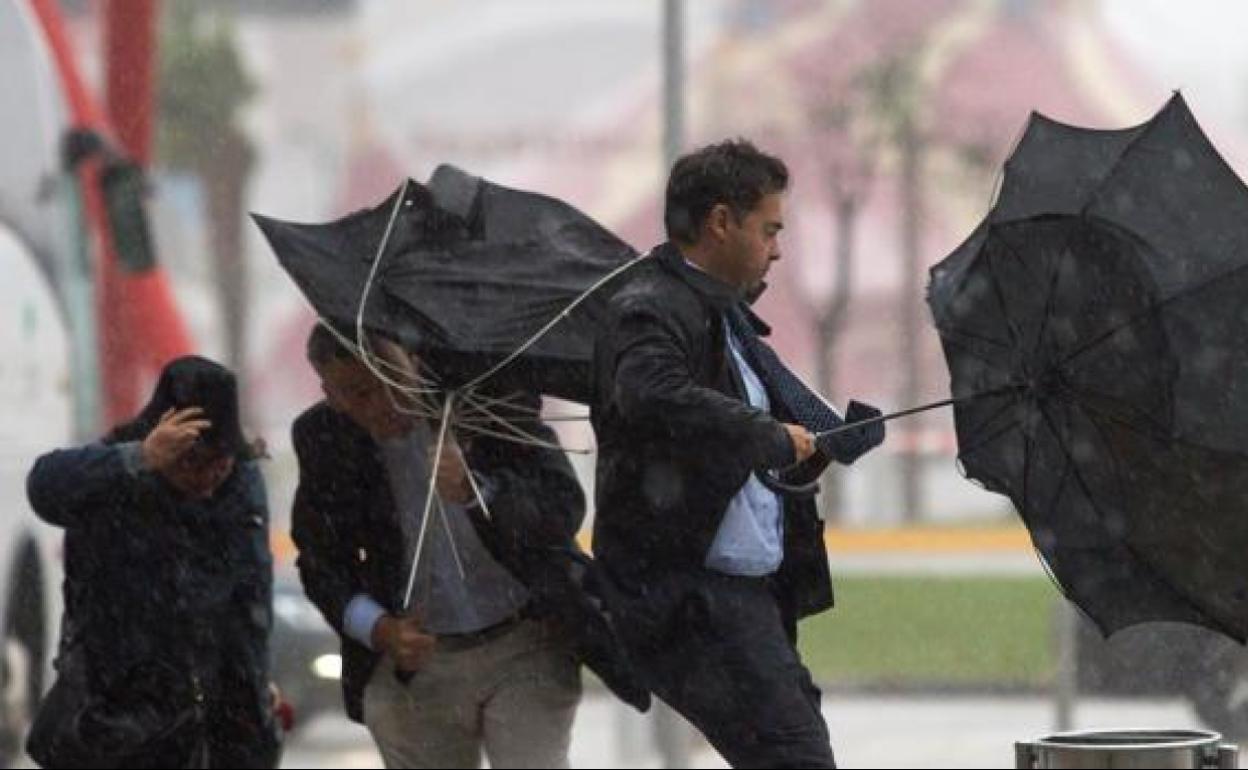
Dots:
pixel 894 116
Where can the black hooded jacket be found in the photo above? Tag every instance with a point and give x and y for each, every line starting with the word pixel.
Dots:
pixel 164 654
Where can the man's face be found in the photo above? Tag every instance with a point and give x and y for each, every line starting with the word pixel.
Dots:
pixel 199 471
pixel 351 389
pixel 750 244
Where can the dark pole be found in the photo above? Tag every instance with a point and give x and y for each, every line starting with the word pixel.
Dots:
pixel 671 733
pixel 673 82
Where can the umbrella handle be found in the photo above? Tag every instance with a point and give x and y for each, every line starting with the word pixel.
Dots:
pixel 798 491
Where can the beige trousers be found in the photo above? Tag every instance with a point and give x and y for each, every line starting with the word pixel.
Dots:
pixel 514 696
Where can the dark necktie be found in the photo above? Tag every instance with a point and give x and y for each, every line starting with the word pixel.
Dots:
pixel 797 400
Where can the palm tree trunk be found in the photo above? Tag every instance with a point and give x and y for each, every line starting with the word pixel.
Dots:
pixel 225 177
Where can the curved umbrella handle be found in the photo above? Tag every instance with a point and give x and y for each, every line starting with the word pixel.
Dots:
pixel 796 491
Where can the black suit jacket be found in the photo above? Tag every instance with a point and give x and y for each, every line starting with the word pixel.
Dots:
pixel 677 439
pixel 349 539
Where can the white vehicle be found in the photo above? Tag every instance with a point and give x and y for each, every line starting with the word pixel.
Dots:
pixel 35 416
pixel 39 236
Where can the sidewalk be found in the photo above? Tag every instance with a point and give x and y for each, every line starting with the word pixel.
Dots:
pixel 867 731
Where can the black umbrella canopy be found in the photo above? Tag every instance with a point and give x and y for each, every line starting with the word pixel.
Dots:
pixel 331 262
pixel 473 275
pixel 1100 305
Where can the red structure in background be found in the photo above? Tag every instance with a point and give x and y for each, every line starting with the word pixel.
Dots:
pixel 139 326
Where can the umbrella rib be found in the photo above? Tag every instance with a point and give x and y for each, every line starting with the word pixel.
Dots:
pixel 429 496
pixel 1051 298
pixel 990 439
pixel 1070 459
pixel 974 336
pixel 1057 495
pixel 1025 513
pixel 1193 602
pixel 1093 502
pixel 523 439
pixel 368 287
pixel 480 418
pixel 350 344
pixel 478 399
pixel 429 382
pixel 1152 310
pixel 476 489
pixel 1115 461
pixel 1074 466
pixel 993 418
pixel 966 346
pixel 1087 393
pixel 1010 247
pixel 484 421
pixel 375 364
pixel 1165 436
pixel 1000 295
pixel 1061 484
pixel 481 407
pixel 552 322
pixel 450 537
pixel 507 425
pixel 365 357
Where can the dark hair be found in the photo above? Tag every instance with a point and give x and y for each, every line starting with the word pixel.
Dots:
pixel 324 346
pixel 733 172
pixel 192 381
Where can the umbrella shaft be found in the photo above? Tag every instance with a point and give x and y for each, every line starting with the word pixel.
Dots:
pixel 915 410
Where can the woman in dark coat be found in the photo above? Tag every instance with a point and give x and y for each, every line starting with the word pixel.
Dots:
pixel 164 658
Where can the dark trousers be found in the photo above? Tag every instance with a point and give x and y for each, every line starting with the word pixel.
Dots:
pixel 716 648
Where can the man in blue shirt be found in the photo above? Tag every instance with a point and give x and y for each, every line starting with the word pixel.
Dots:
pixel 712 567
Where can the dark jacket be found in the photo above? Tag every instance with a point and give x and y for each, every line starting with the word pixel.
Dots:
pixel 164 650
pixel 677 439
pixel 345 526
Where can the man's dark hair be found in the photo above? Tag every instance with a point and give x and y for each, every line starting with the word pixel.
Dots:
pixel 324 346
pixel 733 172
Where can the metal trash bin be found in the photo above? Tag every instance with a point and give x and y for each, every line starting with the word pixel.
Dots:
pixel 1127 748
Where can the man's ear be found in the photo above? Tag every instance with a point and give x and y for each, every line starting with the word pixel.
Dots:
pixel 330 400
pixel 718 220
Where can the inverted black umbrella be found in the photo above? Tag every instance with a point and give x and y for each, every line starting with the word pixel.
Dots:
pixel 1094 328
pixel 490 285
pixel 499 291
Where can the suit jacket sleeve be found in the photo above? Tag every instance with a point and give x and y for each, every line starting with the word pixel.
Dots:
pixel 654 384
pixel 324 560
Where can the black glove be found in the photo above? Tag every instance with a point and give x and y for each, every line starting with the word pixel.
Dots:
pixel 849 445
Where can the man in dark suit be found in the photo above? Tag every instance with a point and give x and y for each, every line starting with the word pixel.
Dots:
pixel 484 659
pixel 712 567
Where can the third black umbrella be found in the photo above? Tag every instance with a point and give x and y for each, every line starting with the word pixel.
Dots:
pixel 1094 328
